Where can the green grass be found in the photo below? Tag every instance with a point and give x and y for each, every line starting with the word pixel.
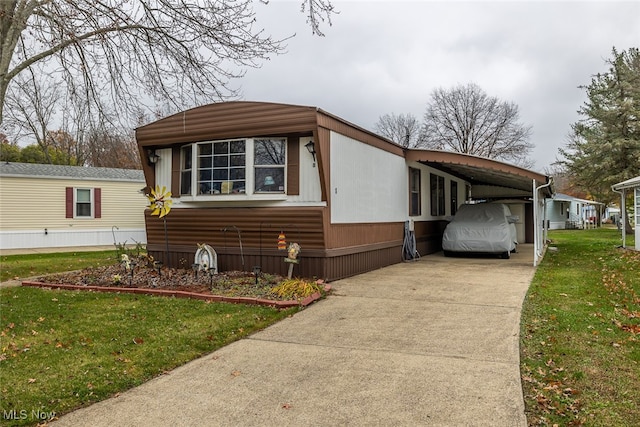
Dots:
pixel 61 350
pixel 24 266
pixel 580 331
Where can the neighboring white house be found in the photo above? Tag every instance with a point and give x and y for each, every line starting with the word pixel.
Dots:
pixel 58 206
pixel 567 212
pixel 631 185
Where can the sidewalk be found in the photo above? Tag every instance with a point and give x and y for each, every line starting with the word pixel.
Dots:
pixel 429 343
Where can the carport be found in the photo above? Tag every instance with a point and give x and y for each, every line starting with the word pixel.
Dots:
pixel 492 180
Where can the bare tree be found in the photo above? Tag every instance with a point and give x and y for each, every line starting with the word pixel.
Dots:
pixel 403 129
pixel 111 149
pixel 32 106
pixel 466 120
pixel 159 50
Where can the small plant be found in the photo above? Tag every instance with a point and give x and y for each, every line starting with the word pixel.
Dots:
pixel 116 279
pixel 296 289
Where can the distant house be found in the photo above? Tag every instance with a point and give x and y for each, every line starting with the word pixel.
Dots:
pixel 242 174
pixel 625 187
pixel 568 212
pixel 58 206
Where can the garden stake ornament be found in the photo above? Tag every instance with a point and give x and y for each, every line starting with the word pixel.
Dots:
pixel 160 204
pixel 292 257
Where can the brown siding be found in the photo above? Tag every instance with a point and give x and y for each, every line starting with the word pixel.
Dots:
pixel 293 166
pixel 175 171
pixel 429 236
pixel 364 247
pixel 218 227
pixel 348 235
pixel 228 120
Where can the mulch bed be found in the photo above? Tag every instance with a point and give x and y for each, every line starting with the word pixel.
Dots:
pixel 233 286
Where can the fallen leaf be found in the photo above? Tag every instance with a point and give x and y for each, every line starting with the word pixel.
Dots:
pixel 31 380
pixel 138 341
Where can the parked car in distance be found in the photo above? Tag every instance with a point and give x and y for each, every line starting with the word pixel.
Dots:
pixel 484 228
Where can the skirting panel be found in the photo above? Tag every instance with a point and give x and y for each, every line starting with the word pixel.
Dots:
pixel 327 265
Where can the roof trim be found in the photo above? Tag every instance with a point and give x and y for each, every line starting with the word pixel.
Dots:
pixel 48 171
pixel 567 198
pixel 630 183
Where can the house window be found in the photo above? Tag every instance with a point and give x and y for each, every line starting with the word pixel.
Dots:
pixel 437 195
pixel 414 192
pixel 186 162
pixel 83 202
pixel 221 167
pixel 237 166
pixel 454 197
pixel 269 162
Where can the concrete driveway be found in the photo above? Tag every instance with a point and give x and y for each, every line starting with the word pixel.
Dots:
pixel 431 343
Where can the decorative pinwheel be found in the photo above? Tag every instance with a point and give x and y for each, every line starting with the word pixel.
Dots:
pixel 160 201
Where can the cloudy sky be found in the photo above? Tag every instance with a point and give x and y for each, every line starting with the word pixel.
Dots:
pixel 387 56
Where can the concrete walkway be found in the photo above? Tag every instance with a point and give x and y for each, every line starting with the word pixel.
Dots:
pixel 429 343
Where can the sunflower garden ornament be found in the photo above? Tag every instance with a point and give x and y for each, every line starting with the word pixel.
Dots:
pixel 160 201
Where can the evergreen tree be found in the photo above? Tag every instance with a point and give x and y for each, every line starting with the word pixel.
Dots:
pixel 604 147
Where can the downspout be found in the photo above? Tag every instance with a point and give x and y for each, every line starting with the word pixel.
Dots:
pixel 623 211
pixel 538 244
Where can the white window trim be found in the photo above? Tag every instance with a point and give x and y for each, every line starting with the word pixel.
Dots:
pixel 91 202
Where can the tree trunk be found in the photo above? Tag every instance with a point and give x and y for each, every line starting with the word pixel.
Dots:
pixel 627 225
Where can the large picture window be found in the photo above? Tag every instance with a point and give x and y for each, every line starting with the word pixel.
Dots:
pixel 237 166
pixel 221 167
pixel 437 195
pixel 414 192
pixel 269 162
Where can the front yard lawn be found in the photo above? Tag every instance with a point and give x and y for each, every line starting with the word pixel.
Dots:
pixel 60 350
pixel 580 331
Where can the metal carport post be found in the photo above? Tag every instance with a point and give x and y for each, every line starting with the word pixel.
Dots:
pixel 538 237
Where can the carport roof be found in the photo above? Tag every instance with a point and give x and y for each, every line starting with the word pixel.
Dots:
pixel 481 171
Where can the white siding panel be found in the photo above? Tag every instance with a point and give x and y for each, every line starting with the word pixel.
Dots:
pixel 367 184
pixel 65 238
pixel 163 167
pixel 310 191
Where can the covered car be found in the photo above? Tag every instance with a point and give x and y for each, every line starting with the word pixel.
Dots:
pixel 481 228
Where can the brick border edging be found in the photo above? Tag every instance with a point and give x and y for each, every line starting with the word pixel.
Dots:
pixel 182 294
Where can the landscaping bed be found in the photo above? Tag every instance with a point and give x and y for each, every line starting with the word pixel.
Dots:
pixel 229 286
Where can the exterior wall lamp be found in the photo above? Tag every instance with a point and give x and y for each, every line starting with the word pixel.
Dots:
pixel 312 150
pixel 152 157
